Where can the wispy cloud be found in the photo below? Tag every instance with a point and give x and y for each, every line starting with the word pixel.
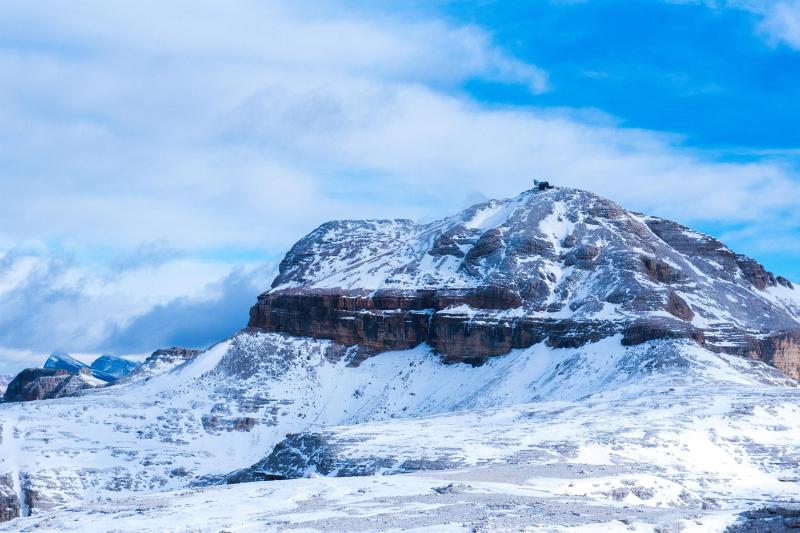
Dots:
pixel 193 322
pixel 147 255
pixel 781 20
pixel 54 303
pixel 778 20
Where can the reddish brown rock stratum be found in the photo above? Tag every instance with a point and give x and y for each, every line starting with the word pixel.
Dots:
pixel 563 266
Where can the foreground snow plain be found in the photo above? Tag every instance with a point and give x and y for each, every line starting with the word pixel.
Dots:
pixel 662 435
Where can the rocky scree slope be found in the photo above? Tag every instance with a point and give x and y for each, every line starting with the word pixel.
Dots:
pixel 563 266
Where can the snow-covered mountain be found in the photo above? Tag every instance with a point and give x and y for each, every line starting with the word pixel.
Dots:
pixel 526 363
pixel 562 266
pixel 63 361
pixel 161 361
pixel 112 366
pixel 63 375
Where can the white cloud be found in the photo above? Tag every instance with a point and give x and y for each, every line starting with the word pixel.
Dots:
pixel 53 303
pixel 779 20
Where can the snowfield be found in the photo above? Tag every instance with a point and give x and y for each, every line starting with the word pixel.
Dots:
pixel 664 434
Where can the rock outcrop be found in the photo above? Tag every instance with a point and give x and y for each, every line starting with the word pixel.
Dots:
pixel 304 454
pixel 161 361
pixel 774 518
pixel 47 383
pixel 9 500
pixel 562 266
pixel 34 384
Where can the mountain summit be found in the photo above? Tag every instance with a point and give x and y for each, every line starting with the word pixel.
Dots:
pixel 563 266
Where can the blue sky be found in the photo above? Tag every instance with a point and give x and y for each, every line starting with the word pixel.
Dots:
pixel 157 159
pixel 706 74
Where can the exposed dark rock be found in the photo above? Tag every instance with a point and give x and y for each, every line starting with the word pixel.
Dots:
pixel 73 384
pixel 660 271
pixel 772 519
pixel 755 273
pixel 377 330
pixel 690 243
pixel 617 296
pixel 452 488
pixel 678 307
pixel 530 245
pixel 161 361
pixel 583 256
pixel 490 247
pixel 604 208
pixel 9 500
pixel 645 330
pixel 781 350
pixel 217 424
pixel 450 242
pixel 302 454
pixel 34 384
pixel 47 383
pixel 569 241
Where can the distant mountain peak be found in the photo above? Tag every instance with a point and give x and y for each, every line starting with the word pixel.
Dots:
pixel 63 361
pixel 113 366
pixel 107 368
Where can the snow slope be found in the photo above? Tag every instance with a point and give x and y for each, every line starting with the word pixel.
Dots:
pixel 227 408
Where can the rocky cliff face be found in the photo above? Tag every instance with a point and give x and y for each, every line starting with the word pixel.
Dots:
pixel 9 500
pixel 561 266
pixel 48 383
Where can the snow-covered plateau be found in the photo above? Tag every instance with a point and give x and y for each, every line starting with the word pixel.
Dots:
pixel 544 439
pixel 604 423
